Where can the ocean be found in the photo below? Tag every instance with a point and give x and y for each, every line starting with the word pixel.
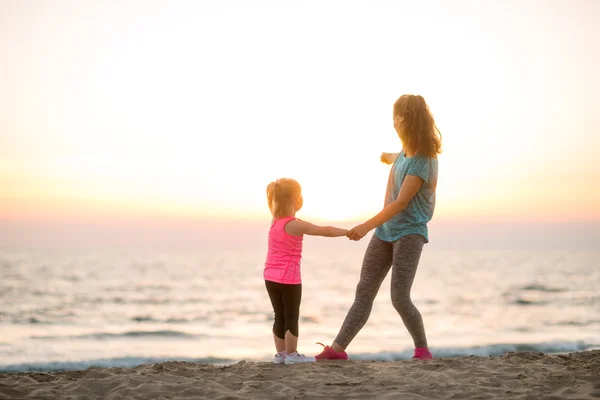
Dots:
pixel 71 309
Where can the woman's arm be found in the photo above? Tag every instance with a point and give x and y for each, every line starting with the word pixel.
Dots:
pixel 297 228
pixel 409 188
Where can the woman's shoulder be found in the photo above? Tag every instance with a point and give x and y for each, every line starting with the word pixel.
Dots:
pixel 420 159
pixel 424 159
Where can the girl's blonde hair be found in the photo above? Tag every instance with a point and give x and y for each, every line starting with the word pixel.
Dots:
pixel 418 132
pixel 282 195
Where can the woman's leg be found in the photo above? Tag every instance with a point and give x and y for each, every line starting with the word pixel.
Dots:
pixel 407 252
pixel 279 323
pixel 376 264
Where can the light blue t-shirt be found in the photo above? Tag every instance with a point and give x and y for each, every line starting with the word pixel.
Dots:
pixel 413 219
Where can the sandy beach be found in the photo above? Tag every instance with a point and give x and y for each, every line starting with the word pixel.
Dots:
pixel 512 376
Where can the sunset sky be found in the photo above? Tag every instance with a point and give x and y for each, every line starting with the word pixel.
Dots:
pixel 190 108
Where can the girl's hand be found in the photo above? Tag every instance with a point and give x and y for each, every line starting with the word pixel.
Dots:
pixel 358 232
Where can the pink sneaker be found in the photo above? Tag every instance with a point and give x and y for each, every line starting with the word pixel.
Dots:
pixel 330 354
pixel 422 353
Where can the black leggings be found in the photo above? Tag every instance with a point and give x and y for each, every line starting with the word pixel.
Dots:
pixel 286 304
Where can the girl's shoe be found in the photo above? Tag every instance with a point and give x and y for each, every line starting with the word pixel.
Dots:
pixel 278 359
pixel 422 353
pixel 297 358
pixel 330 354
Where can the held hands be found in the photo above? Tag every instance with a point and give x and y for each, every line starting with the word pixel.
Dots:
pixel 357 233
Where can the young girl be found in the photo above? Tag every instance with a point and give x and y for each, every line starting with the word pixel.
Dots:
pixel 282 268
pixel 401 227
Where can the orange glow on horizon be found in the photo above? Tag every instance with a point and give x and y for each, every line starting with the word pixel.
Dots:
pixel 61 209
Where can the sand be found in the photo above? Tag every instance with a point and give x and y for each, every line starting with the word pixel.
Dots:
pixel 512 376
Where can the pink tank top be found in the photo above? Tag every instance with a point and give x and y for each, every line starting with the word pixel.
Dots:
pixel 283 256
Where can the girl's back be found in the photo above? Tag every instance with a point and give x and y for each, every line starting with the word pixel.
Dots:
pixel 284 254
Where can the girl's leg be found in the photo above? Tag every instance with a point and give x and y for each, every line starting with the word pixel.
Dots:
pixel 279 344
pixel 279 323
pixel 292 296
pixel 376 264
pixel 407 252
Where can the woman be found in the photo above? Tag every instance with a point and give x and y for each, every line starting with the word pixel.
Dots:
pixel 401 228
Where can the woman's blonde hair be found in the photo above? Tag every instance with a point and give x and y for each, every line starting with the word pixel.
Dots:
pixel 282 195
pixel 418 132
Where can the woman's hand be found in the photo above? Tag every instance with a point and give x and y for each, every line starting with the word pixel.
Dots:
pixel 358 232
pixel 388 158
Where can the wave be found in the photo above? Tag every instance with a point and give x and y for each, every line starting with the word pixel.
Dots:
pixel 524 302
pixel 123 362
pixel 492 350
pixel 574 323
pixel 32 320
pixel 148 318
pixel 130 334
pixel 542 288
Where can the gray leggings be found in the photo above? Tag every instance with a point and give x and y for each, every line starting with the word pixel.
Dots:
pixel 404 254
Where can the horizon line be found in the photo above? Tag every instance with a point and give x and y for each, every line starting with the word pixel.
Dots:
pixel 196 219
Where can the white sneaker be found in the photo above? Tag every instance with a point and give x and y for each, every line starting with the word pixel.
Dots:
pixel 296 358
pixel 278 359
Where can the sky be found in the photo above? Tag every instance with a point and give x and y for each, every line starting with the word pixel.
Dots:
pixel 188 109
